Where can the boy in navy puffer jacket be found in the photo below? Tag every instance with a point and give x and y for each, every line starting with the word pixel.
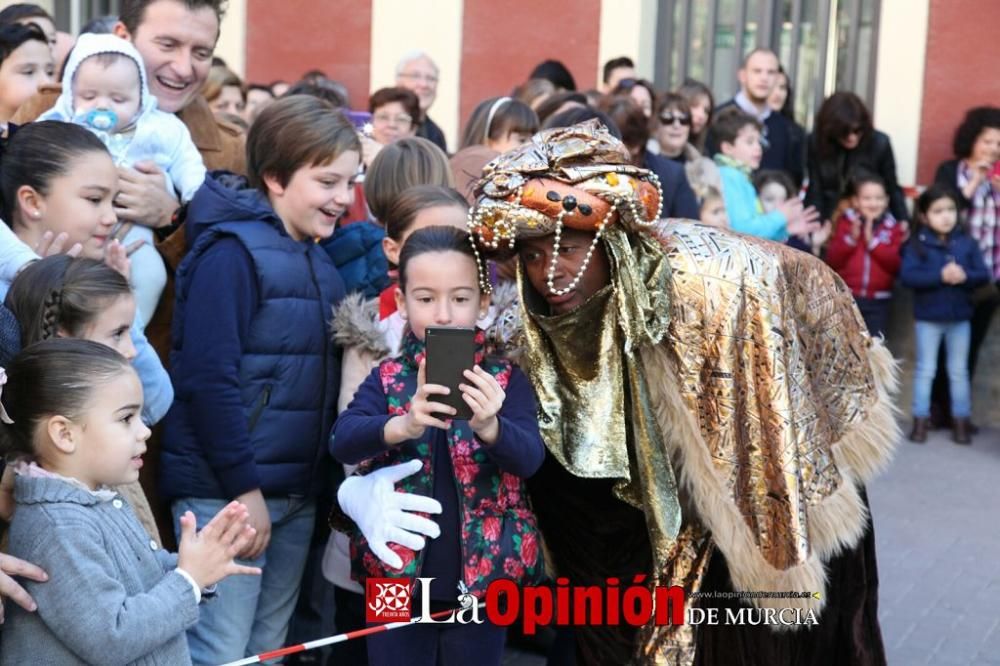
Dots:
pixel 256 375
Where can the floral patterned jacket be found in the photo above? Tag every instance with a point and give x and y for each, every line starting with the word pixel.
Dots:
pixel 499 535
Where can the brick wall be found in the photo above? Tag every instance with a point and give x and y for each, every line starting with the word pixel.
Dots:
pixel 286 38
pixel 501 43
pixel 960 73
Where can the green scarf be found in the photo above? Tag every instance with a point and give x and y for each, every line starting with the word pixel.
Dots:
pixel 594 410
pixel 725 160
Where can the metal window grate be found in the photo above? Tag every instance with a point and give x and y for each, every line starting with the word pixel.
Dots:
pixel 824 45
pixel 71 15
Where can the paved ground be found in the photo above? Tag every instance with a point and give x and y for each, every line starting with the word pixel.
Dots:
pixel 937 525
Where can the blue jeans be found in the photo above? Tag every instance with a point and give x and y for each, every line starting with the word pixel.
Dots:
pixel 956 335
pixel 250 614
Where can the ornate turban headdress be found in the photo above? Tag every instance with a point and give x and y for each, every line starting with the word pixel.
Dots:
pixel 577 177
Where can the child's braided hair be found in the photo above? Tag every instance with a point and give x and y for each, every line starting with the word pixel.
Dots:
pixel 62 295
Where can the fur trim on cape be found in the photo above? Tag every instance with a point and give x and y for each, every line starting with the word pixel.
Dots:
pixel 834 523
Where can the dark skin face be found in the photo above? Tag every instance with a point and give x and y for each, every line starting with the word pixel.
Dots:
pixel 536 256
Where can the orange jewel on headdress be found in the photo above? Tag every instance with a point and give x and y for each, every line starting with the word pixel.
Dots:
pixel 649 197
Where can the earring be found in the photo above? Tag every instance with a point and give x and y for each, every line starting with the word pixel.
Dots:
pixel 35 213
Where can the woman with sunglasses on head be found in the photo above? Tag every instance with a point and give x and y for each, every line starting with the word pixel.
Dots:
pixel 844 142
pixel 672 124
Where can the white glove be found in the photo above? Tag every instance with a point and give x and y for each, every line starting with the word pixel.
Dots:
pixel 381 513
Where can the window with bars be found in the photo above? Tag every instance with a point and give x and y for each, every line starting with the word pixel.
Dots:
pixel 72 15
pixel 823 45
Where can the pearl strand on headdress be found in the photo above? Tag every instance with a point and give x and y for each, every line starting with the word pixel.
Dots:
pixel 507 229
pixel 484 282
pixel 550 278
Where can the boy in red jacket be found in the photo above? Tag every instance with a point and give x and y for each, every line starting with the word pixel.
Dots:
pixel 864 249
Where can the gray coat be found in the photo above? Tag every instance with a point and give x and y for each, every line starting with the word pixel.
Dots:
pixel 112 596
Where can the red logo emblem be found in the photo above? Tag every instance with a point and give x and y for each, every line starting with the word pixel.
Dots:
pixel 387 599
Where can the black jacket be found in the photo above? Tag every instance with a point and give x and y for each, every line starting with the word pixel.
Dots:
pixel 678 197
pixel 947 176
pixel 828 178
pixel 430 131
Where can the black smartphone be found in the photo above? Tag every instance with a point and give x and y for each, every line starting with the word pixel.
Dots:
pixel 450 352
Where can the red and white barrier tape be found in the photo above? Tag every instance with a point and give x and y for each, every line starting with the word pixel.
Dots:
pixel 330 640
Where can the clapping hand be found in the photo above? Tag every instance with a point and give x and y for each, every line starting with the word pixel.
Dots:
pixel 52 244
pixel 208 555
pixel 800 221
pixel 116 257
pixel 821 236
pixel 868 231
pixel 952 273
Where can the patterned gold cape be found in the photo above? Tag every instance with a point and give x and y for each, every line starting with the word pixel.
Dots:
pixel 776 403
pixel 744 366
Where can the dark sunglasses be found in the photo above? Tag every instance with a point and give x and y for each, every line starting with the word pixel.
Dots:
pixel 668 118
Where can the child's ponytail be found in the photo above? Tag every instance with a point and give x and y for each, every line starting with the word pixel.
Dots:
pixel 53 377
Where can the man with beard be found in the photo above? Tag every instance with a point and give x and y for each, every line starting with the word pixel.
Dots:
pixel 757 77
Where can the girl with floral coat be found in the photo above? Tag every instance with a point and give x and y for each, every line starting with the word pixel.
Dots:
pixel 474 469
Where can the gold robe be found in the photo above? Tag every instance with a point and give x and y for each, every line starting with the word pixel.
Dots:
pixel 769 401
pixel 776 404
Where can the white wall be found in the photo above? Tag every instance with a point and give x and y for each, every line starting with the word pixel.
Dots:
pixel 434 26
pixel 628 28
pixel 232 44
pixel 899 82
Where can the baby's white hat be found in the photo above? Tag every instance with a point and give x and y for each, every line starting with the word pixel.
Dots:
pixel 90 44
